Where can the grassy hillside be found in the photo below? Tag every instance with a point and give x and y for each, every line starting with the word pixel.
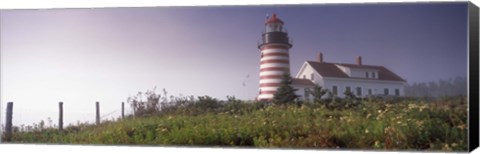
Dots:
pixel 411 124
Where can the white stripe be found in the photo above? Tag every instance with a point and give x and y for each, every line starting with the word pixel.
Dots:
pixel 263 73
pixel 274 65
pixel 265 96
pixel 270 81
pixel 266 51
pixel 274 88
pixel 274 57
pixel 268 88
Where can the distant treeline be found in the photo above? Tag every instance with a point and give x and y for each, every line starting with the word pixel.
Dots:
pixel 441 88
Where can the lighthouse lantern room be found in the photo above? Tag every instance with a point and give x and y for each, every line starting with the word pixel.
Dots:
pixel 274 57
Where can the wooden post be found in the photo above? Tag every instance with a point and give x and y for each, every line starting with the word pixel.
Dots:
pixel 98 112
pixel 60 116
pixel 8 124
pixel 123 110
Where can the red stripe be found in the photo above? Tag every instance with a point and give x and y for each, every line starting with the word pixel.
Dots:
pixel 275 61
pixel 269 84
pixel 276 46
pixel 264 99
pixel 274 69
pixel 276 54
pixel 271 77
pixel 268 92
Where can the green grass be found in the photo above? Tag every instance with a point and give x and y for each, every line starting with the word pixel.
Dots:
pixel 405 125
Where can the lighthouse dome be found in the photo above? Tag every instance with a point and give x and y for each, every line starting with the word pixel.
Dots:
pixel 273 19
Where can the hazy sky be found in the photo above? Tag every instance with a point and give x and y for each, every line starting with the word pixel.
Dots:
pixel 80 56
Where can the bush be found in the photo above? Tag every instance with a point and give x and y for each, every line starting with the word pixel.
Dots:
pixel 145 107
pixel 400 124
pixel 285 93
pixel 317 93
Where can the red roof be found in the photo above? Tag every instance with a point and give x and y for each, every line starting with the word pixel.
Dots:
pixel 331 70
pixel 273 19
pixel 306 82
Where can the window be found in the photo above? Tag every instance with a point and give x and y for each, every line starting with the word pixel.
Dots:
pixel 274 27
pixel 307 93
pixel 369 91
pixel 359 91
pixel 311 76
pixel 335 90
pixel 397 92
pixel 366 74
pixel 385 91
pixel 373 75
pixel 304 76
pixel 347 88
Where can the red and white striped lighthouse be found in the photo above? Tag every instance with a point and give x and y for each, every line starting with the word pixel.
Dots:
pixel 274 61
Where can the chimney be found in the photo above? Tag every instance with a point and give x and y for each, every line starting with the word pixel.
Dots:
pixel 320 57
pixel 359 60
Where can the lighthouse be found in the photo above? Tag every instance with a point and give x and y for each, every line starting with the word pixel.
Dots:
pixel 274 57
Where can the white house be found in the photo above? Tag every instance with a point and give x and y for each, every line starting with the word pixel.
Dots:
pixel 362 80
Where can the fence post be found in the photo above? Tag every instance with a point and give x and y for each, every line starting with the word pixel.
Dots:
pixel 60 116
pixel 8 124
pixel 123 110
pixel 98 112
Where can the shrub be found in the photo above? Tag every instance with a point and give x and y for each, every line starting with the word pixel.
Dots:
pixel 317 93
pixel 285 93
pixel 144 107
pixel 402 124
